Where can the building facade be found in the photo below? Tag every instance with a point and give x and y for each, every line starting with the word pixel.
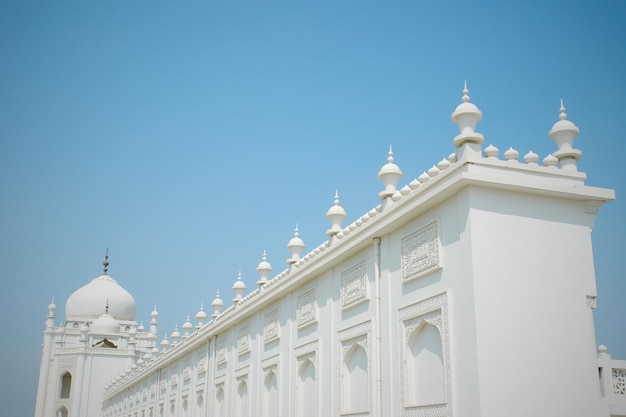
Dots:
pixel 466 292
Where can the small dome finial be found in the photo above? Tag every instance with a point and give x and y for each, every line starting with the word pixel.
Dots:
pixel 466 116
pixel 238 287
pixel 106 262
pixel 563 133
pixel 264 268
pixel 389 174
pixel 217 305
pixel 336 214
pixel 295 245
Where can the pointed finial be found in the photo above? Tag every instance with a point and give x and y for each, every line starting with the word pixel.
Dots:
pixel 563 115
pixel 106 262
pixel 466 116
pixel 295 245
pixel 264 268
pixel 465 97
pixel 336 214
pixel 217 305
pixel 563 133
pixel 389 174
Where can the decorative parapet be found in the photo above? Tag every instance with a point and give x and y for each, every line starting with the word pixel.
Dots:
pixel 612 382
pixel 557 173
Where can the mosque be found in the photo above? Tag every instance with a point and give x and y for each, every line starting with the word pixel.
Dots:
pixel 466 292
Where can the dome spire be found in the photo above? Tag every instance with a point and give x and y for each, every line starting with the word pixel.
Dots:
pixel 106 262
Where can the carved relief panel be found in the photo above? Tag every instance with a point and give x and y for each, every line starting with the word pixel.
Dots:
pixel 421 252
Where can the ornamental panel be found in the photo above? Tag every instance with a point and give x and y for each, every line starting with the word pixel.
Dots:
pixel 354 286
pixel 306 313
pixel 243 339
pixel 420 252
pixel 271 326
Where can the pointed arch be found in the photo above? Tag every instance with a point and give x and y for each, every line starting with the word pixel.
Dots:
pixel 66 385
pixel 62 412
pixel 270 394
pixel 220 402
pixel 355 380
pixel 242 399
pixel 425 366
pixel 199 403
pixel 306 397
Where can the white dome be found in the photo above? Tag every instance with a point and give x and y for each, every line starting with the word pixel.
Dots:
pixel 89 302
pixel 105 324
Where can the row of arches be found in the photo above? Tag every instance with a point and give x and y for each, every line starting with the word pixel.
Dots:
pixel 424 370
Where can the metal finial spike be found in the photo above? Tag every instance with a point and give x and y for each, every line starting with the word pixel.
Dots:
pixel 106 262
pixel 563 115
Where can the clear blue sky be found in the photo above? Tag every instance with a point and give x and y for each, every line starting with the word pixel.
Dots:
pixel 189 136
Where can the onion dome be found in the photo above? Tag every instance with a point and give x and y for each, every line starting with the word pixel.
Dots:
pixel 239 287
pixel 296 246
pixel 141 328
pixel 336 214
pixel 563 133
pixel 217 305
pixel 389 174
pixel 201 315
pixel 466 116
pixel 264 268
pixel 85 303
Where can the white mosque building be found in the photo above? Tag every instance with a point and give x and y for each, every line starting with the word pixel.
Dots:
pixel 466 292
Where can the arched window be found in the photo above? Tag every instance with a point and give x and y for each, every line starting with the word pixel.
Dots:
pixel 306 392
pixel 270 395
pixel 425 366
pixel 62 412
pixel 355 381
pixel 66 385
